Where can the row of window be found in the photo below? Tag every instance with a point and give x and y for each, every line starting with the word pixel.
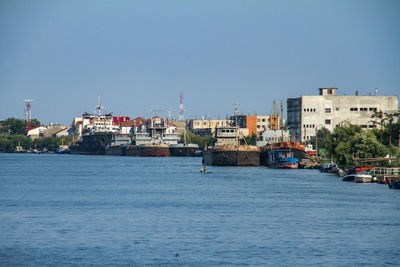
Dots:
pixel 329 110
pixel 211 123
pixel 308 125
pixel 364 109
pixel 329 122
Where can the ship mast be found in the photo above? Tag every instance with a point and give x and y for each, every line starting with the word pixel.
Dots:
pixel 236 105
pixel 283 139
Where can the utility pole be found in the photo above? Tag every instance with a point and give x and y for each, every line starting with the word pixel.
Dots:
pixel 283 139
pixel 316 140
pixel 236 105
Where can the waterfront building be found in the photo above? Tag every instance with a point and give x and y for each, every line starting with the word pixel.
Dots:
pixel 256 124
pixel 269 137
pixel 206 127
pixel 307 114
pixel 62 133
pixel 36 132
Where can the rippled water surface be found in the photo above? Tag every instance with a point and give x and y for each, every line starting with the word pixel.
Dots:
pixel 99 210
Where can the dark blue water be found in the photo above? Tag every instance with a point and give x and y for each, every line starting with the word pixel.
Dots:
pixel 97 210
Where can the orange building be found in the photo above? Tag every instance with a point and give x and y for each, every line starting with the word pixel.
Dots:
pixel 251 124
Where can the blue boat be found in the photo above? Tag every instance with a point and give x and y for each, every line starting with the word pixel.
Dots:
pixel 282 159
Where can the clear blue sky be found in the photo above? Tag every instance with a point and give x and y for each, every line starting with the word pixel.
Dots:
pixel 138 55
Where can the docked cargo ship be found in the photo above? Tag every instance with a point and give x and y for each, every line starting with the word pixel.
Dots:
pixel 91 144
pixel 227 151
pixel 152 138
pixel 98 131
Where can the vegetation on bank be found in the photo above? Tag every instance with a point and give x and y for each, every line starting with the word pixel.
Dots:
pixel 348 142
pixel 196 139
pixel 15 126
pixel 8 142
pixel 12 134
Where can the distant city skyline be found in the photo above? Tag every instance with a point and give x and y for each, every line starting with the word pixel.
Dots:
pixel 139 55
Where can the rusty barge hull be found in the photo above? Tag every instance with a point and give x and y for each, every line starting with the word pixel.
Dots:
pixel 231 158
pixel 146 151
pixel 184 151
pixel 154 151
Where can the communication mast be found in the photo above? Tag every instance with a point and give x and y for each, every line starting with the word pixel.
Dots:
pixel 181 110
pixel 28 113
pixel 99 107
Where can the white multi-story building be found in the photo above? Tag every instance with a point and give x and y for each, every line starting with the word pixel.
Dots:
pixel 307 114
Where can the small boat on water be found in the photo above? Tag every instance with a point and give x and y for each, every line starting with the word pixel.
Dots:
pixel 394 183
pixel 362 177
pixel 19 149
pixel 358 177
pixel 329 168
pixel 349 177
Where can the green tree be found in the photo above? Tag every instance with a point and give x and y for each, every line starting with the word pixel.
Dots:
pixel 6 145
pixel 16 126
pixel 350 141
pixel 195 139
pixel 249 140
pixel 365 145
pixel 320 138
pixel 35 122
pixel 13 126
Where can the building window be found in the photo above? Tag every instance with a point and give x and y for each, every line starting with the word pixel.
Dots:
pixel 364 126
pixel 314 109
pixel 327 121
pixel 353 109
pixel 263 120
pixel 363 109
pixel 329 91
pixel 373 109
pixel 304 110
pixel 328 110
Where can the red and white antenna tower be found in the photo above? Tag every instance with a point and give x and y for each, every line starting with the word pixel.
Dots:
pixel 181 110
pixel 28 113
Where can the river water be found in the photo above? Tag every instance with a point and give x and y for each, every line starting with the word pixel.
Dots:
pixel 100 210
